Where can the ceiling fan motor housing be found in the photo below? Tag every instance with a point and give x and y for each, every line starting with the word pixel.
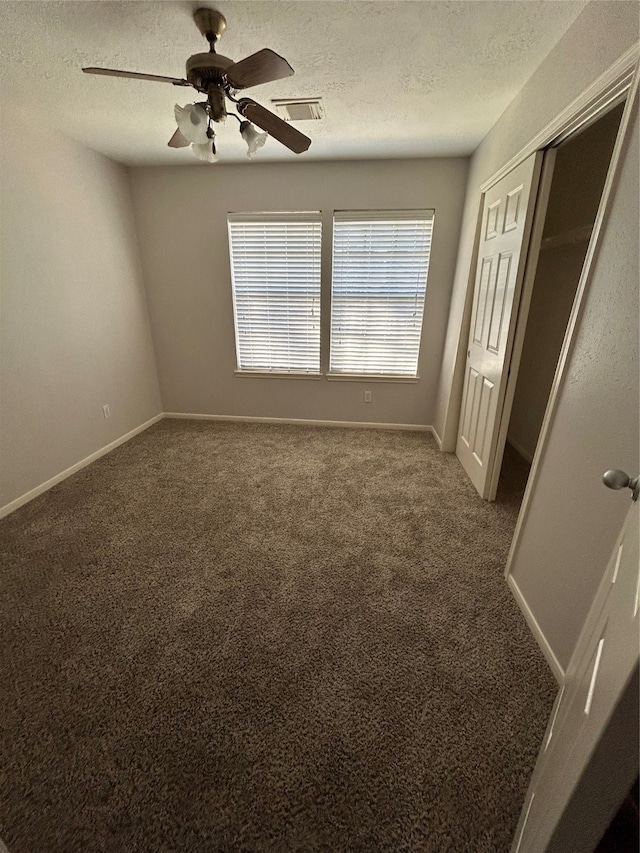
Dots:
pixel 205 68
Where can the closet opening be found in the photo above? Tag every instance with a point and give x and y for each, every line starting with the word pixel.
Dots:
pixel 579 174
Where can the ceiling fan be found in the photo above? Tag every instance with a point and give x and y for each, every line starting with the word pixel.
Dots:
pixel 219 78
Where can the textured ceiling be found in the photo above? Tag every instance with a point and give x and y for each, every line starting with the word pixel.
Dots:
pixel 397 79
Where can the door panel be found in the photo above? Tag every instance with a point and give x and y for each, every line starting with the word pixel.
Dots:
pixel 604 664
pixel 506 225
pixel 479 391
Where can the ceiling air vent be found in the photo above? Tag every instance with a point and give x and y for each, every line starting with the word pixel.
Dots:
pixel 301 109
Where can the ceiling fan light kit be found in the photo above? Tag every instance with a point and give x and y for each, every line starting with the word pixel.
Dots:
pixel 220 78
pixel 206 151
pixel 178 140
pixel 192 121
pixel 252 137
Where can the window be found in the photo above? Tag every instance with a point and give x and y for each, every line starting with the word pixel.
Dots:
pixel 380 265
pixel 275 272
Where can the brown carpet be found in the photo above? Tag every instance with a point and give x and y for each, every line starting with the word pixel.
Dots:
pixel 227 637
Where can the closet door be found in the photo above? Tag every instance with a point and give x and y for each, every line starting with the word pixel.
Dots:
pixel 506 226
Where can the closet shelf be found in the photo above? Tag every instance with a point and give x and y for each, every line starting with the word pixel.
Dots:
pixel 581 234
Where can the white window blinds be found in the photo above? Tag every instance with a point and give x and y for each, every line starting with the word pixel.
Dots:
pixel 380 266
pixel 275 272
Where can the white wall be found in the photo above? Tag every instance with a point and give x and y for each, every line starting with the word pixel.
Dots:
pixel 74 322
pixel 573 520
pixel 181 218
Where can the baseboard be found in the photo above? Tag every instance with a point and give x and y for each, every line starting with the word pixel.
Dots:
pixel 7 509
pixel 520 449
pixel 299 422
pixel 436 437
pixel 49 484
pixel 536 630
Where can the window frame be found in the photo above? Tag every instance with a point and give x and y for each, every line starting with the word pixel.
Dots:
pixel 325 300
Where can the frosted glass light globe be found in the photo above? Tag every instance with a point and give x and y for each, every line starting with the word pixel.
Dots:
pixel 252 137
pixel 193 122
pixel 206 151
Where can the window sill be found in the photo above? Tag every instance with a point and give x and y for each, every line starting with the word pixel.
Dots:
pixel 332 377
pixel 273 374
pixel 370 377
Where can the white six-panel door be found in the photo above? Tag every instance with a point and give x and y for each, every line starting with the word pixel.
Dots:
pixel 506 226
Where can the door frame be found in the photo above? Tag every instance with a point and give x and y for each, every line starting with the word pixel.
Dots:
pixel 604 104
pixel 606 90
pixel 626 88
pixel 597 98
pixel 618 83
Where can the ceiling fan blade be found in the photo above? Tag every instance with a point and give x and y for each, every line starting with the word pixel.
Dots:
pixel 261 67
pixel 178 140
pixel 111 72
pixel 275 126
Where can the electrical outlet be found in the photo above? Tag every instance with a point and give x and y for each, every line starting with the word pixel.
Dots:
pixel 367 396
pixel 106 411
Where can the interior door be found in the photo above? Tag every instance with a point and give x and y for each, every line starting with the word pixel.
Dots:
pixel 505 229
pixel 588 759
